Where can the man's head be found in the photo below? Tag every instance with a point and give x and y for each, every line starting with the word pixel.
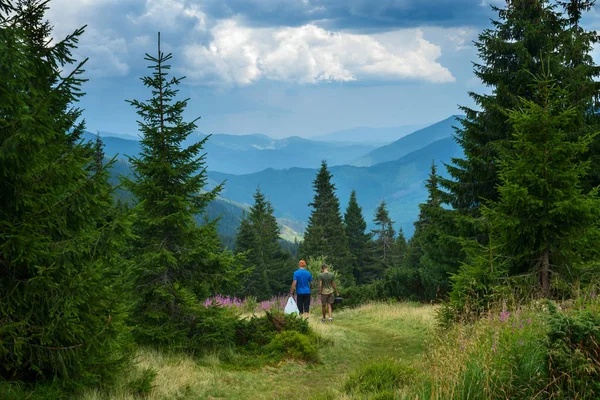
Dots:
pixel 324 268
pixel 301 264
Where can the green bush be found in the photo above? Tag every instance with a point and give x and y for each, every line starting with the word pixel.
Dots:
pixel 213 327
pixel 294 345
pixel 404 283
pixel 142 386
pixel 254 333
pixel 378 378
pixel 355 296
pixel 574 352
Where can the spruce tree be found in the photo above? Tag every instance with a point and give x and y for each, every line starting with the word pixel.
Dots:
pixel 178 262
pixel 325 234
pixel 400 248
pixel 358 240
pixel 545 220
pixel 510 54
pixel 440 253
pixel 383 249
pixel 63 284
pixel 258 235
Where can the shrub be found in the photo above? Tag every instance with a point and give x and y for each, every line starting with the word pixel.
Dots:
pixel 574 352
pixel 250 304
pixel 143 385
pixel 256 332
pixel 253 333
pixel 294 345
pixel 378 378
pixel 404 283
pixel 212 327
pixel 358 295
pixel 287 322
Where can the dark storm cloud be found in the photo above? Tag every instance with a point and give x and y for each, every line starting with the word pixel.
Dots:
pixel 355 14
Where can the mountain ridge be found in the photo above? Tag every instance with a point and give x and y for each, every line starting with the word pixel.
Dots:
pixel 409 143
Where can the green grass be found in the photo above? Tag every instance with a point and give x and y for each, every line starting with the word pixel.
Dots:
pixel 356 338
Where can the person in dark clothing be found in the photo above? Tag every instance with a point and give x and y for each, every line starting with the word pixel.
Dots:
pixel 302 284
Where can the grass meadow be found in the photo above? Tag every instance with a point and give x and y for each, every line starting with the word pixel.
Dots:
pixel 385 351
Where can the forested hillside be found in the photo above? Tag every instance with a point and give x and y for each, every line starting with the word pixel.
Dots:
pixel 399 182
pixel 467 268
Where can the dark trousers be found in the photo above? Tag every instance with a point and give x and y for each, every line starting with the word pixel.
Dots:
pixel 303 301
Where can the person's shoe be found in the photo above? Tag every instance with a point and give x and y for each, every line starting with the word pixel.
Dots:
pixel 330 319
pixel 322 319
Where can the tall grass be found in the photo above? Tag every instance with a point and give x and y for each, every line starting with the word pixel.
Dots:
pixel 536 352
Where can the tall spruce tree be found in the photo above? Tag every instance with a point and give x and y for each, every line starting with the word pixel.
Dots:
pixel 543 217
pixel 355 228
pixel 383 249
pixel 325 234
pixel 400 247
pixel 510 54
pixel 258 235
pixel 440 253
pixel 178 262
pixel 63 284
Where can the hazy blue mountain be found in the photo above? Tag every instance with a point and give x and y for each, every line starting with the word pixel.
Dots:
pixel 242 154
pixel 228 212
pixel 409 143
pixel 379 136
pixel 399 182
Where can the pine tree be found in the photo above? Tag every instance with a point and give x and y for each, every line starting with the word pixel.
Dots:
pixel 440 253
pixel 325 231
pixel 259 236
pixel 358 240
pixel 400 248
pixel 178 261
pixel 510 54
pixel 383 250
pixel 384 234
pixel 63 284
pixel 545 220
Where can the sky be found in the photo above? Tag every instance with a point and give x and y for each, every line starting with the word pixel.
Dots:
pixel 281 67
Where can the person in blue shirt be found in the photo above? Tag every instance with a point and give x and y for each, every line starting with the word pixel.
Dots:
pixel 302 283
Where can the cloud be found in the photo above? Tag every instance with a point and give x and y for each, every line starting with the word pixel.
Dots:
pixel 220 44
pixel 240 56
pixel 353 14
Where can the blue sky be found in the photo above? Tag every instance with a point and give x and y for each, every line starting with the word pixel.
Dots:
pixel 281 67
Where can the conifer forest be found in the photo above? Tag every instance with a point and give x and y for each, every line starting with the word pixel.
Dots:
pixel 132 276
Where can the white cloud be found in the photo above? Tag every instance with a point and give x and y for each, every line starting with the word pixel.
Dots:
pixel 227 53
pixel 240 55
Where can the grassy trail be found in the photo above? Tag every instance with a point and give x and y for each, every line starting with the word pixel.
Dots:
pixel 372 332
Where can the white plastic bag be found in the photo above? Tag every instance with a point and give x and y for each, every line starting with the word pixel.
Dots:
pixel 291 307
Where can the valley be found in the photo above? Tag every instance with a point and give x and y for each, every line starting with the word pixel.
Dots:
pixel 284 170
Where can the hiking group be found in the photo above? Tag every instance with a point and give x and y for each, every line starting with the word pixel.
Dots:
pixel 302 284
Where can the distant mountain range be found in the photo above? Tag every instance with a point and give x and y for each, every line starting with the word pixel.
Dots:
pixel 227 211
pixel 409 143
pixel 377 136
pixel 394 173
pixel 243 154
pixel 399 183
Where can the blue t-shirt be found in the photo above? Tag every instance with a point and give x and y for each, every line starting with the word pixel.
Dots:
pixel 303 279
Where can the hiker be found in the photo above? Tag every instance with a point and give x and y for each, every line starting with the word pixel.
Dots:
pixel 302 284
pixel 326 288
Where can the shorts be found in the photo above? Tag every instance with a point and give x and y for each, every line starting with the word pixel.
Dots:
pixel 327 298
pixel 303 302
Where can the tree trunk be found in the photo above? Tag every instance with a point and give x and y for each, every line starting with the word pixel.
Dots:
pixel 545 273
